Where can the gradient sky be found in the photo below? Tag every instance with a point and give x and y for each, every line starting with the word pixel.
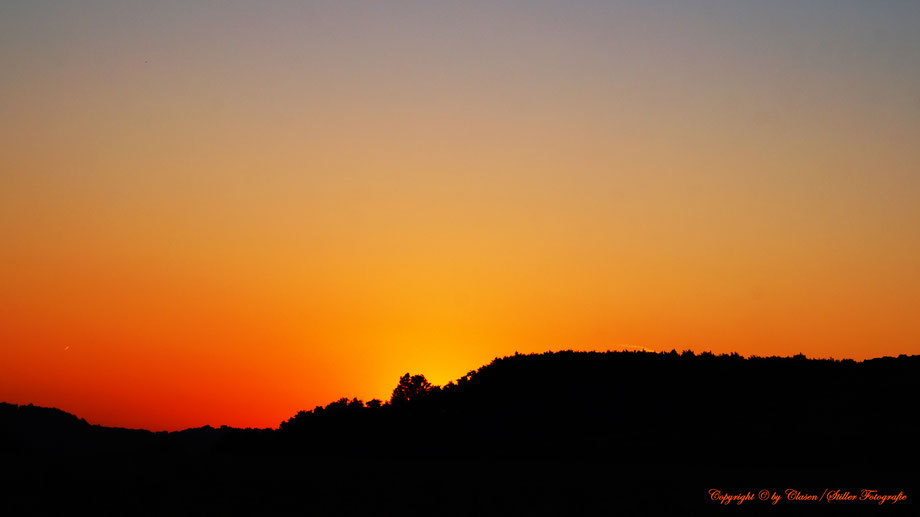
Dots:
pixel 225 212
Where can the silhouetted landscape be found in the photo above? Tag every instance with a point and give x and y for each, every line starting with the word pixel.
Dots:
pixel 565 433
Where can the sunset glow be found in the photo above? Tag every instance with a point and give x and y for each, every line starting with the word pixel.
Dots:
pixel 217 214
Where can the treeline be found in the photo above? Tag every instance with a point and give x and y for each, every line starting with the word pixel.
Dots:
pixel 624 406
pixel 635 407
pixel 615 433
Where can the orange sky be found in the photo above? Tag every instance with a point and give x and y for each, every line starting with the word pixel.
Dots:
pixel 223 214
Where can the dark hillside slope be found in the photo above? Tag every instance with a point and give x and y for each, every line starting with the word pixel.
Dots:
pixel 646 407
pixel 563 433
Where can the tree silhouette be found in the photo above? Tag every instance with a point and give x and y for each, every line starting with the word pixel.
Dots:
pixel 525 414
pixel 410 388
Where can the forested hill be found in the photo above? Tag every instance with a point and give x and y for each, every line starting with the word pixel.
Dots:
pixel 643 407
pixel 619 405
pixel 615 433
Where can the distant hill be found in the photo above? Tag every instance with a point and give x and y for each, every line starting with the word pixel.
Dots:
pixel 637 414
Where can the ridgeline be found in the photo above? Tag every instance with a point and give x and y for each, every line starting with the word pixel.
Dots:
pixel 526 434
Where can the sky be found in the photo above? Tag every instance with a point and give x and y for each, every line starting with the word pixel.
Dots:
pixel 226 212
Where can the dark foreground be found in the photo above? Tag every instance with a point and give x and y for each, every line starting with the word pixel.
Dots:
pixel 551 434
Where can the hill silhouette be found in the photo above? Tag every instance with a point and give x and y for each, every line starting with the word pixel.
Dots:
pixel 627 433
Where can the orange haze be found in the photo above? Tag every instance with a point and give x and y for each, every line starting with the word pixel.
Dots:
pixel 224 215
